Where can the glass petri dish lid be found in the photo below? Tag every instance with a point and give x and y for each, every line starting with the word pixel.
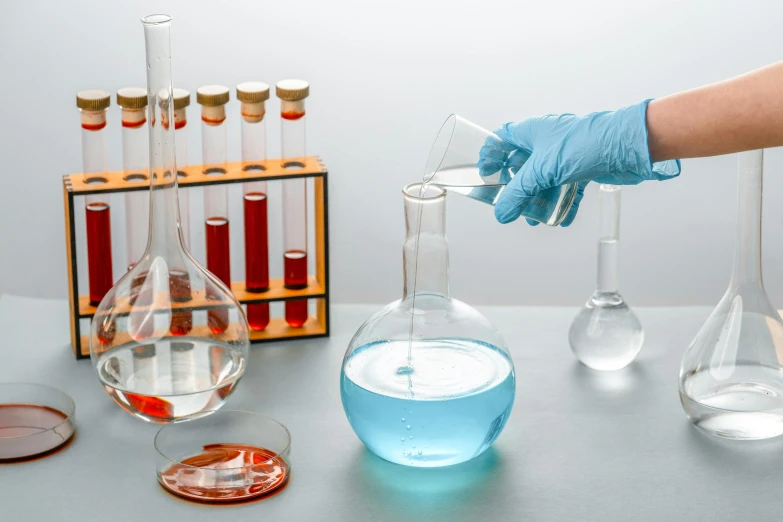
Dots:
pixel 34 419
pixel 226 456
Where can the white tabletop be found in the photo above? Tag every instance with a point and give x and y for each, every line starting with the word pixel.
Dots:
pixel 580 445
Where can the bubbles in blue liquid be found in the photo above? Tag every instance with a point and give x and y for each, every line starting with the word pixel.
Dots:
pixel 408 427
pixel 403 419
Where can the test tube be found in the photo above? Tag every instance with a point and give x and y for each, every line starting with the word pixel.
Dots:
pixel 292 94
pixel 135 163
pixel 181 103
pixel 253 95
pixel 92 105
pixel 213 100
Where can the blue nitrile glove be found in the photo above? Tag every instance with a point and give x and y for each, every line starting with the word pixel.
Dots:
pixel 547 151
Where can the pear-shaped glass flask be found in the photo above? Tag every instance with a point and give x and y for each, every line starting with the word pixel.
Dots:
pixel 155 351
pixel 606 334
pixel 731 377
pixel 427 381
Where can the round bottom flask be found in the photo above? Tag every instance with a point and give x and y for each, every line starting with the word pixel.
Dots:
pixel 606 334
pixel 731 377
pixel 427 381
pixel 169 340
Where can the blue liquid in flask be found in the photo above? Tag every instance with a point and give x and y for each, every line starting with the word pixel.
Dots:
pixel 447 407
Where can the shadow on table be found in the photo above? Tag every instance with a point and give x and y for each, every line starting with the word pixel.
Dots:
pixel 433 489
pixel 627 380
pixel 755 456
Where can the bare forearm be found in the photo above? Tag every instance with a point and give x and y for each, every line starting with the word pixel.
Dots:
pixel 743 113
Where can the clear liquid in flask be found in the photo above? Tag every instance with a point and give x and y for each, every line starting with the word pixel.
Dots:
pixel 170 378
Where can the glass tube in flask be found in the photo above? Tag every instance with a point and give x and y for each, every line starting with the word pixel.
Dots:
pixel 92 106
pixel 442 395
pixel 253 96
pixel 292 94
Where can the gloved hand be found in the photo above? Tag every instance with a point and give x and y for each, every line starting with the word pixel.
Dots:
pixel 548 151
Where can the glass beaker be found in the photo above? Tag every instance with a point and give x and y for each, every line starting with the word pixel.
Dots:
pixel 606 334
pixel 454 164
pixel 150 342
pixel 731 377
pixel 432 384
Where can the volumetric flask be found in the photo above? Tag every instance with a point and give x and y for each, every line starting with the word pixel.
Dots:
pixel 455 163
pixel 154 342
pixel 606 334
pixel 427 381
pixel 731 377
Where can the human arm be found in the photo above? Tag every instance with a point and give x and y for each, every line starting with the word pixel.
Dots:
pixel 742 113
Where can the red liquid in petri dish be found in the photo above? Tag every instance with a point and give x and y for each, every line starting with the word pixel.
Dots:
pixel 295 271
pixel 219 263
pixel 99 250
pixel 27 430
pixel 226 473
pixel 256 256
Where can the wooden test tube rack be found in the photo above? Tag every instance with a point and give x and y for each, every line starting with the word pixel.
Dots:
pixel 318 283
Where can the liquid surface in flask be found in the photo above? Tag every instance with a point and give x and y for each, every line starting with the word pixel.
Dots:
pixel 446 409
pixel 170 378
pixel 212 475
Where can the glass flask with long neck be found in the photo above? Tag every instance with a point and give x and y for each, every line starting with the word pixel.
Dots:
pixel 150 342
pixel 430 384
pixel 606 334
pixel 731 377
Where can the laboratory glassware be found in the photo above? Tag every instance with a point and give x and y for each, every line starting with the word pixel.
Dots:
pixel 253 96
pixel 292 94
pixel 228 456
pixel 731 377
pixel 135 150
pixel 453 164
pixel 430 385
pixel 213 100
pixel 606 334
pixel 34 419
pixel 153 362
pixel 92 105
pixel 181 103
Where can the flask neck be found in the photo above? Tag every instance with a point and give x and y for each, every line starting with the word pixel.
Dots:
pixel 425 251
pixel 747 248
pixel 165 238
pixel 608 280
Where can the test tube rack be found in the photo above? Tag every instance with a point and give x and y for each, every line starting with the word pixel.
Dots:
pixel 74 185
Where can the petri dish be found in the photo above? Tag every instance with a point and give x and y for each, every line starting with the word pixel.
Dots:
pixel 34 420
pixel 222 457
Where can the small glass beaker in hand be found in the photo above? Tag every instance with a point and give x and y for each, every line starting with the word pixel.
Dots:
pixel 457 164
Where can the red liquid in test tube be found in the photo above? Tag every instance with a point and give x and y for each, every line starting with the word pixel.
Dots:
pixel 93 105
pixel 253 96
pixel 292 94
pixel 213 99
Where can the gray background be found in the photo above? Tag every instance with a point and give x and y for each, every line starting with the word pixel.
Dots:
pixel 579 444
pixel 384 76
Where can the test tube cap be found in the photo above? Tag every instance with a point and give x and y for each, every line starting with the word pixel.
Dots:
pixel 292 90
pixel 212 95
pixel 132 98
pixel 93 100
pixel 252 92
pixel 181 99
